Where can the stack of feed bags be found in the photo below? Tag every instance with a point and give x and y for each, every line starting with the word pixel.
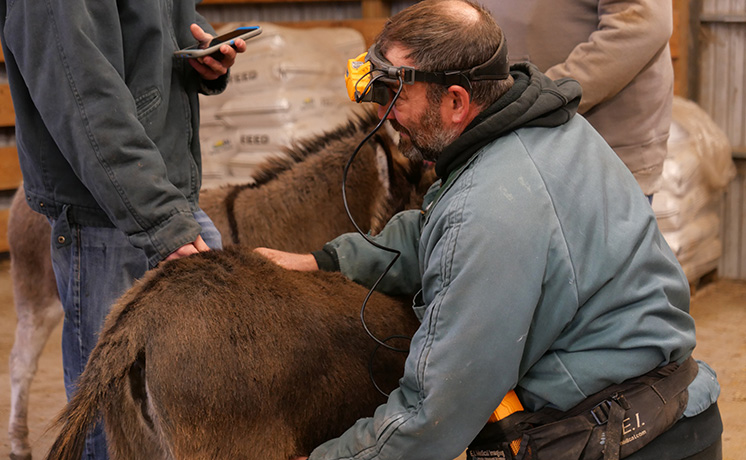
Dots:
pixel 288 85
pixel 696 172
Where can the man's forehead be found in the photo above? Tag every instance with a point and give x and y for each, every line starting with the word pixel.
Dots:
pixel 397 55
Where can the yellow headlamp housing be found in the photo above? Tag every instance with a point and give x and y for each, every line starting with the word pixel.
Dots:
pixel 357 76
pixel 366 78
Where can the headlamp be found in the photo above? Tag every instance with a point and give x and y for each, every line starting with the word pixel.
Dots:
pixel 369 76
pixel 363 83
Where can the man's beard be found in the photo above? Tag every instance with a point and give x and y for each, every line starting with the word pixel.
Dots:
pixel 430 139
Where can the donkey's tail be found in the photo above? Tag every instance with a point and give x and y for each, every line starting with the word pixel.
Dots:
pixel 103 379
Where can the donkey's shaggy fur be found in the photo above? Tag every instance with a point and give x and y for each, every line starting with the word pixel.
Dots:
pixel 226 355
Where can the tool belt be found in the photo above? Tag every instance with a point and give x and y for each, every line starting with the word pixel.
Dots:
pixel 609 425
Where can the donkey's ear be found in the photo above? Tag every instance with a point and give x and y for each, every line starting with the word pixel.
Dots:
pixel 412 179
pixel 420 174
pixel 400 165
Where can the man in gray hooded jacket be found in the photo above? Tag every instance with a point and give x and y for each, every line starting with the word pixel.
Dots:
pixel 536 264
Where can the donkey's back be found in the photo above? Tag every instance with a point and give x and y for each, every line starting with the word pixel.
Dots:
pixel 226 355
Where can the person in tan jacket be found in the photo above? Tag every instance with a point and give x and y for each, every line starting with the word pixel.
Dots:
pixel 619 53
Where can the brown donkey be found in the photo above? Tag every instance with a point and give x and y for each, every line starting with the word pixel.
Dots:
pixel 295 204
pixel 227 355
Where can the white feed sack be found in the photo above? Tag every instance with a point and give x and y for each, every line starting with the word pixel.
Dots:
pixel 698 168
pixel 288 85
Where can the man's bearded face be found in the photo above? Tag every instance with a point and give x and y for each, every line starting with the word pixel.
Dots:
pixel 426 139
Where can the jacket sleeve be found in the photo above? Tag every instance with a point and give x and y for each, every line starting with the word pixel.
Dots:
pixel 629 35
pixel 363 263
pixel 217 86
pixel 465 356
pixel 71 56
pixel 202 22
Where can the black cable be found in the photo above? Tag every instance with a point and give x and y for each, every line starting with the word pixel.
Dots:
pixel 397 253
pixel 372 356
pixel 367 87
pixel 349 215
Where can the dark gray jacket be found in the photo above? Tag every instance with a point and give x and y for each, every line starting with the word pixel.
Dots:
pixel 106 118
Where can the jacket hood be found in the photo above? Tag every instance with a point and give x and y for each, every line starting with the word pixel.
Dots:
pixel 533 101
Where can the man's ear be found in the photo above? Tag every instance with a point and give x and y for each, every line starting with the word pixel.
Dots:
pixel 458 104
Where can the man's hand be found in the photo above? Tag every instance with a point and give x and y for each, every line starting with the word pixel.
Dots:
pixel 210 68
pixel 290 261
pixel 198 245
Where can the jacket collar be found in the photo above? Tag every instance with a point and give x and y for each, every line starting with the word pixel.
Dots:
pixel 533 101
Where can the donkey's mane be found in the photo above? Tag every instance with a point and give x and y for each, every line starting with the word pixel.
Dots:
pixel 296 153
pixel 301 149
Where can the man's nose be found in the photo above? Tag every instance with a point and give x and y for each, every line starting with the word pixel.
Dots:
pixel 382 111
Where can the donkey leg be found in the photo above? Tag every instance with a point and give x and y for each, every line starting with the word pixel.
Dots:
pixel 36 320
pixel 37 308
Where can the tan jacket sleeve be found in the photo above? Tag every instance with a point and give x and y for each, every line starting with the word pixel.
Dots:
pixel 629 35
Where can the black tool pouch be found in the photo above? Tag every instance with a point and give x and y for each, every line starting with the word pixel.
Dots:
pixel 609 425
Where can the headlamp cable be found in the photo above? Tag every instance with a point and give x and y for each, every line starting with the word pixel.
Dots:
pixel 379 343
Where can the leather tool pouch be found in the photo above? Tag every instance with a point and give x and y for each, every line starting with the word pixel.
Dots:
pixel 609 425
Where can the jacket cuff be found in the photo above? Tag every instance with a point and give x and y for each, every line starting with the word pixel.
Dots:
pixel 327 259
pixel 179 229
pixel 213 87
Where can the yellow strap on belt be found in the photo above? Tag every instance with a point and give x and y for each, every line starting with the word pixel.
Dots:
pixel 508 405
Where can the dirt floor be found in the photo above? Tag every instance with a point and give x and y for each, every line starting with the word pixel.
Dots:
pixel 719 309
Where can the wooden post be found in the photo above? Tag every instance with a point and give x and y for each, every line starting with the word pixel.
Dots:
pixel 7 114
pixel 680 47
pixel 372 9
pixel 684 47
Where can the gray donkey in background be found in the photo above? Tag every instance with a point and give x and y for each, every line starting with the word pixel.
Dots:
pixel 294 204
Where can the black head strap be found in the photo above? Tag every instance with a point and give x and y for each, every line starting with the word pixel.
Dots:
pixel 495 68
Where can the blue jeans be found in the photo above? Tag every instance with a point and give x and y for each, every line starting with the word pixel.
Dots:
pixel 94 266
